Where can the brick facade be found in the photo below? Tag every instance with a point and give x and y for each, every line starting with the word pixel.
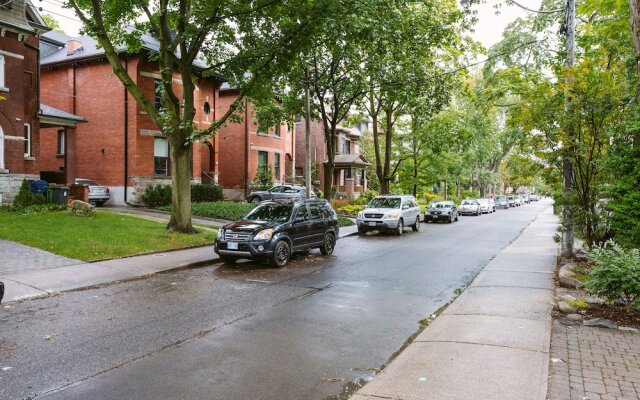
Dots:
pixel 116 128
pixel 241 144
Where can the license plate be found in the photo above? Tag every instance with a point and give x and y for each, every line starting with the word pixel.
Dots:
pixel 372 224
pixel 232 246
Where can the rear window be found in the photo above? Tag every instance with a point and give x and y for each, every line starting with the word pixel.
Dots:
pixel 87 182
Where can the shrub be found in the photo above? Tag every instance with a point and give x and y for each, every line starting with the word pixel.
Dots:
pixel 36 208
pixel 26 198
pixel 615 274
pixel 350 209
pixel 156 196
pixel 263 179
pixel 339 203
pixel 206 193
pixel 431 197
pixel 365 197
pixel 221 210
pixel 344 221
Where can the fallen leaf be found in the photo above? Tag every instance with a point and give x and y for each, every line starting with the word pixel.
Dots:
pixel 49 337
pixel 334 379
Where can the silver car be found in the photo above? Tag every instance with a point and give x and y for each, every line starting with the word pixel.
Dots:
pixel 389 213
pixel 487 206
pixel 98 194
pixel 469 207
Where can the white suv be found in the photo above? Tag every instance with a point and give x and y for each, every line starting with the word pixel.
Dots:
pixel 389 213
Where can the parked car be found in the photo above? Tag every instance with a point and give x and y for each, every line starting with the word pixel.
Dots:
pixel 389 213
pixel 441 211
pixel 502 202
pixel 534 197
pixel 487 206
pixel 275 229
pixel 513 201
pixel 469 207
pixel 98 194
pixel 280 192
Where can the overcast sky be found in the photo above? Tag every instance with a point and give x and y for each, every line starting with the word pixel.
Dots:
pixel 488 30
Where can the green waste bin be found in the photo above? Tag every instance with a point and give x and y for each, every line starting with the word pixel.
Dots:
pixel 51 197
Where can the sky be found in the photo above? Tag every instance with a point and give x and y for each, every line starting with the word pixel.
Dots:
pixel 488 30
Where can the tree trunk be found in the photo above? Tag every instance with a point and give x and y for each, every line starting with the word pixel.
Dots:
pixel 388 136
pixel 329 167
pixel 376 142
pixel 634 5
pixel 181 180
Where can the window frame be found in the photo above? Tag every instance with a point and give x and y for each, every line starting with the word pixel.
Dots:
pixel 167 159
pixel 28 145
pixel 276 165
pixel 2 72
pixel 262 167
pixel 61 142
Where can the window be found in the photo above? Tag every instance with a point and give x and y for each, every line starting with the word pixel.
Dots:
pixel 157 91
pixel 27 140
pixel 276 166
pixel 277 131
pixel 61 140
pixel 348 173
pixel 303 212
pixel 263 160
pixel 315 211
pixel 347 147
pixel 1 71
pixel 160 156
pixel 298 118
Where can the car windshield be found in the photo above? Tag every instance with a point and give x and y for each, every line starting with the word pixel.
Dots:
pixel 385 202
pixel 442 205
pixel 86 182
pixel 274 212
pixel 468 202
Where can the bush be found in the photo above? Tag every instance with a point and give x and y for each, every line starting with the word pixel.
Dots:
pixel 157 196
pixel 344 221
pixel 339 203
pixel 25 198
pixel 615 274
pixel 365 197
pixel 36 208
pixel 263 179
pixel 350 209
pixel 206 193
pixel 221 210
pixel 431 197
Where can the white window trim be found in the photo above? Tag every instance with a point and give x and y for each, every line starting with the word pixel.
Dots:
pixel 61 144
pixel 28 142
pixel 2 80
pixel 1 149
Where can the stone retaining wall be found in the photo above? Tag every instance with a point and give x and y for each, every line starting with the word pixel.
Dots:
pixel 140 183
pixel 10 186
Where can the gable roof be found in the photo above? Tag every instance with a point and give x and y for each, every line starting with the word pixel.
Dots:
pixel 21 16
pixel 56 49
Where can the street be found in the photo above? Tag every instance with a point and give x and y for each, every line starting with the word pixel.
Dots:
pixel 310 330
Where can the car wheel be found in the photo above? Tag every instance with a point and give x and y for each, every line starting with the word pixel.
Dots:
pixel 228 260
pixel 281 254
pixel 362 231
pixel 456 218
pixel 416 226
pixel 450 218
pixel 400 228
pixel 255 200
pixel 328 245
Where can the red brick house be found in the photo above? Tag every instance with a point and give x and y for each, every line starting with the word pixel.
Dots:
pixel 119 146
pixel 349 175
pixel 22 115
pixel 245 148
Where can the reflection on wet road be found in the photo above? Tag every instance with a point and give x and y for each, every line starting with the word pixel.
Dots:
pixel 247 331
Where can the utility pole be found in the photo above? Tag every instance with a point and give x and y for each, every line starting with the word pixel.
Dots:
pixel 567 157
pixel 307 133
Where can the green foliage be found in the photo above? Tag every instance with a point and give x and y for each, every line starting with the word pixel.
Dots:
pixel 201 193
pixel 25 198
pixel 52 22
pixel 365 197
pixel 343 221
pixel 615 274
pixel 579 304
pixel 34 209
pixel 226 210
pixel 156 196
pixel 350 209
pixel 263 179
pixel 429 198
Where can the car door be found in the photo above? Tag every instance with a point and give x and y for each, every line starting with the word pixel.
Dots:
pixel 318 224
pixel 301 227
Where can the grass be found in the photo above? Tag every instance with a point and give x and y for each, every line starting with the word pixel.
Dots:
pixel 99 236
pixel 344 221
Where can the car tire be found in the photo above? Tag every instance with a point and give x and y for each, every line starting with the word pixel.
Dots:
pixel 416 226
pixel 328 244
pixel 400 228
pixel 362 231
pixel 450 218
pixel 281 254
pixel 255 200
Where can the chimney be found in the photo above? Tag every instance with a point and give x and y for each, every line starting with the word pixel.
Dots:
pixel 73 46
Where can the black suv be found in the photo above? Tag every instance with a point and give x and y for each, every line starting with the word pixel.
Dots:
pixel 273 230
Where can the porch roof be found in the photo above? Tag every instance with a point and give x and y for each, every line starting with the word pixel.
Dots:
pixel 350 160
pixel 50 117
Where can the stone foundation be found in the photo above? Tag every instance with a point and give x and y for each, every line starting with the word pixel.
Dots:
pixel 10 186
pixel 234 194
pixel 140 183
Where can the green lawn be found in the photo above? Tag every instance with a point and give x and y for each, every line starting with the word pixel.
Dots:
pixel 102 235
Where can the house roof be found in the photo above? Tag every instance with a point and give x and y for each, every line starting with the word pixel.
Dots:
pixel 22 16
pixel 350 160
pixel 57 42
pixel 52 116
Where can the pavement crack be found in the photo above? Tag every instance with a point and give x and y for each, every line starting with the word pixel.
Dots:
pixel 483 344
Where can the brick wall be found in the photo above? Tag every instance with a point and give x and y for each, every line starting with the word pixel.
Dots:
pixel 318 149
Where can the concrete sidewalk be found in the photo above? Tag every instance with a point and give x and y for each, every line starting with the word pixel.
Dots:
pixel 493 341
pixel 53 274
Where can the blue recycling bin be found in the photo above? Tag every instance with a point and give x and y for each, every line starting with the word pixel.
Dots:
pixel 38 186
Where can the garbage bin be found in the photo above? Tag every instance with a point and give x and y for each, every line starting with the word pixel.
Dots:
pixel 61 195
pixel 38 186
pixel 51 194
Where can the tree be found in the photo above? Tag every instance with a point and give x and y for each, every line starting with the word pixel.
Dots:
pixel 52 23
pixel 246 42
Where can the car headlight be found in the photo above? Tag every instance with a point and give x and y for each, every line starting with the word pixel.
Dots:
pixel 264 234
pixel 393 215
pixel 361 214
pixel 221 234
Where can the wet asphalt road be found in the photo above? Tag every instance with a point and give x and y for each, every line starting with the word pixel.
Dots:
pixel 248 331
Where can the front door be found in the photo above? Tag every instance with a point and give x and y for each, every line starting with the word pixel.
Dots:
pixel 318 224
